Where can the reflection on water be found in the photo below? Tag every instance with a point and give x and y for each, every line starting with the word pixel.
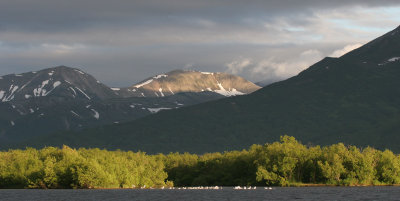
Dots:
pixel 226 193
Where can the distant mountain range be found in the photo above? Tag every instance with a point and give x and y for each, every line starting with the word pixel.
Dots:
pixel 62 98
pixel 353 99
pixel 180 81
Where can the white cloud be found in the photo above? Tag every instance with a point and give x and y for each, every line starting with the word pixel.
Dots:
pixel 239 65
pixel 61 48
pixel 346 49
pixel 274 68
pixel 289 67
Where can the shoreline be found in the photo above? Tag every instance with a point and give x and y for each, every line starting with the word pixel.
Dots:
pixel 212 188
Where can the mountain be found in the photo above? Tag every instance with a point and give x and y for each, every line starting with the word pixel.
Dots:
pixel 179 81
pixel 63 98
pixel 68 83
pixel 267 82
pixel 353 99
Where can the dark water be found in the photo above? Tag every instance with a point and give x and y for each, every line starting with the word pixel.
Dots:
pixel 304 193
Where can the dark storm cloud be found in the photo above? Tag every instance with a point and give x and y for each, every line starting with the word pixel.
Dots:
pixel 125 41
pixel 63 15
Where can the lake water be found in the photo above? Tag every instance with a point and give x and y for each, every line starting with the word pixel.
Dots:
pixel 228 194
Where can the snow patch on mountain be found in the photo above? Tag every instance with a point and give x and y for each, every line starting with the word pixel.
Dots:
pixel 155 110
pixel 76 114
pixel 96 114
pixel 230 92
pixel 73 90
pixel 56 84
pixel 40 90
pixel 12 91
pixel 160 90
pixel 169 88
pixel 393 59
pixel 207 73
pixel 160 76
pixel 79 71
pixel 88 97
pixel 116 89
pixel 144 83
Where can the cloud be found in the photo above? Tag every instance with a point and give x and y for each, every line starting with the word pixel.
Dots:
pixel 273 69
pixel 124 41
pixel 238 66
pixel 62 48
pixel 289 67
pixel 56 16
pixel 346 49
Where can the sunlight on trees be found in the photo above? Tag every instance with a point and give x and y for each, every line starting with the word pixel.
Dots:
pixel 284 163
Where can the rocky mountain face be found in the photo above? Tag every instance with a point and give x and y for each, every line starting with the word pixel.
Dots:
pixel 62 82
pixel 64 98
pixel 353 99
pixel 180 81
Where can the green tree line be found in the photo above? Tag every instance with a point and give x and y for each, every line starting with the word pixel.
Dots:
pixel 284 163
pixel 83 168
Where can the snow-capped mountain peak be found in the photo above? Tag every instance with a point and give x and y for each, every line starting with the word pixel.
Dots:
pixel 181 81
pixel 58 81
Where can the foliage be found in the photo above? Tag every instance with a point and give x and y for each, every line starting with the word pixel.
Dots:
pixel 284 163
pixel 84 168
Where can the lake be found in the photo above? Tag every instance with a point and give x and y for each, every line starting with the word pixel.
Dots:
pixel 228 194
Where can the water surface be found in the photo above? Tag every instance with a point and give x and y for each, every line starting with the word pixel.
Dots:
pixel 228 194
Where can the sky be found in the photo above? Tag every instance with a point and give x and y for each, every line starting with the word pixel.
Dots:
pixel 122 42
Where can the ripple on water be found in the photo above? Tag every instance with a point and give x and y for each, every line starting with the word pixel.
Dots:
pixel 303 193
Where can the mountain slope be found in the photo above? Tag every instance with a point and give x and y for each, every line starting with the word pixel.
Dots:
pixel 62 98
pixel 180 81
pixel 59 81
pixel 353 99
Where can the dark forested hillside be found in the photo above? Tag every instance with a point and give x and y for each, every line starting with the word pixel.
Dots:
pixel 354 99
pixel 42 102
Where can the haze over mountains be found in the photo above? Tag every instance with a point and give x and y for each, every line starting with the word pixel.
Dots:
pixel 64 98
pixel 353 99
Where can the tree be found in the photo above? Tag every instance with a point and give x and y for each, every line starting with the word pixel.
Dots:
pixel 388 168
